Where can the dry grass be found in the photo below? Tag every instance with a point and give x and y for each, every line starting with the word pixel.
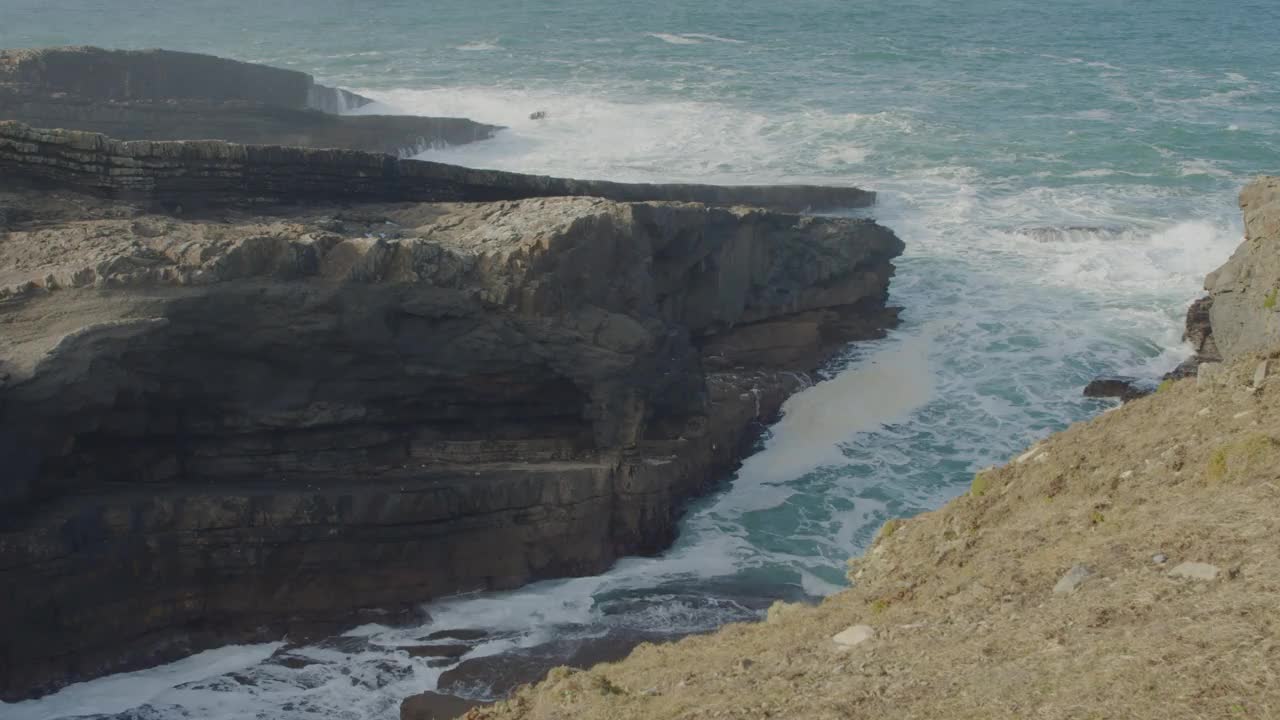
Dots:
pixel 962 598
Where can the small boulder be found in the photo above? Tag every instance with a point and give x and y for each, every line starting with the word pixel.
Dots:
pixel 1074 578
pixel 1159 558
pixel 435 706
pixel 1260 374
pixel 1209 374
pixel 1117 386
pixel 1196 571
pixel 853 635
pixel 538 115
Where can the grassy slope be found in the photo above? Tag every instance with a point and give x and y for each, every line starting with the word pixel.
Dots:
pixel 962 599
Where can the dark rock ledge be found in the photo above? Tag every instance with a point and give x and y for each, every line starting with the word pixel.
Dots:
pixel 168 95
pixel 194 174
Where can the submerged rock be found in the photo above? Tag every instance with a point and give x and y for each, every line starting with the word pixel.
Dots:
pixel 434 706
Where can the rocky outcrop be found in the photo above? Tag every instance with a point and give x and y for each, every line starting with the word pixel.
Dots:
pixel 167 95
pixel 1122 387
pixel 1244 313
pixel 1240 315
pixel 269 419
pixel 163 75
pixel 200 174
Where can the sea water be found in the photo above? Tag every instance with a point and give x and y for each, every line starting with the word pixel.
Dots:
pixel 1064 174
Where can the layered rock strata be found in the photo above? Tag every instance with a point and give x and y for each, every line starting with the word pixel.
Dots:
pixel 200 174
pixel 1240 315
pixel 268 419
pixel 167 95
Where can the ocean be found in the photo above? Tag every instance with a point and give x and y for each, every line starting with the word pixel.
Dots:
pixel 1063 173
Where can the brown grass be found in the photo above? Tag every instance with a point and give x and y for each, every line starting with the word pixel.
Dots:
pixel 967 623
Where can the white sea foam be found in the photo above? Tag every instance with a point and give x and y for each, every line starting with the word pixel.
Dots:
pixel 117 693
pixel 675 39
pixel 713 38
pixel 479 46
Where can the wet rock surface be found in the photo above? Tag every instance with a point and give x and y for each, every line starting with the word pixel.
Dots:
pixel 1117 386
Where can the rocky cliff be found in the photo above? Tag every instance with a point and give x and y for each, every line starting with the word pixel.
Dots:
pixel 1124 568
pixel 261 418
pixel 167 95
pixel 1242 312
pixel 194 174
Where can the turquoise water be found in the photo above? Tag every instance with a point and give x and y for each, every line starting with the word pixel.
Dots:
pixel 1063 173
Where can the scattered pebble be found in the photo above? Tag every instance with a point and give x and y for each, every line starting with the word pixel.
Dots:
pixel 853 635
pixel 1242 414
pixel 1202 412
pixel 1196 571
pixel 1159 558
pixel 1073 579
pixel 1126 474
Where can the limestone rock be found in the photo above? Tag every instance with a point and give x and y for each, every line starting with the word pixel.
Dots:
pixel 167 95
pixel 1210 374
pixel 853 635
pixel 1195 571
pixel 218 174
pixel 1260 373
pixel 1072 580
pixel 1245 312
pixel 226 428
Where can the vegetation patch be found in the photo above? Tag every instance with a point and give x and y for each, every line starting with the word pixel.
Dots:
pixel 888 529
pixel 1255 452
pixel 1269 302
pixel 981 484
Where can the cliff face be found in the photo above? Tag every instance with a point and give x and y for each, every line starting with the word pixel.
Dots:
pixel 166 95
pixel 1244 313
pixel 223 428
pixel 207 173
